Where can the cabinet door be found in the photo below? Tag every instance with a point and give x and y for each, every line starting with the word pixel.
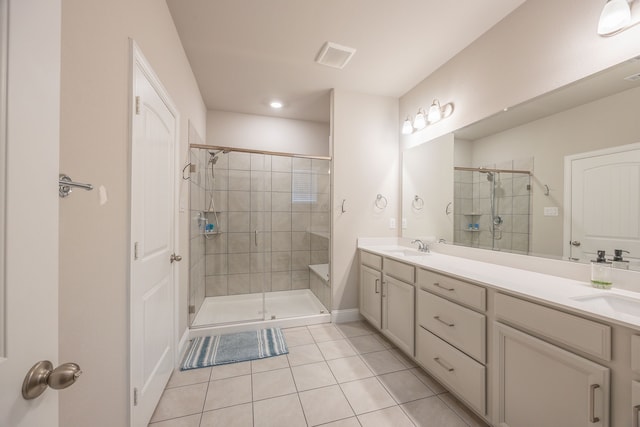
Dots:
pixel 540 384
pixel 398 315
pixel 371 295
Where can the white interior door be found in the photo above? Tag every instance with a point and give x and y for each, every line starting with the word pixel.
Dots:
pixel 30 125
pixel 604 202
pixel 154 122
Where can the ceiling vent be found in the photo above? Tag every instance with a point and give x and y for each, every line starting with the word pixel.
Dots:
pixel 633 78
pixel 334 55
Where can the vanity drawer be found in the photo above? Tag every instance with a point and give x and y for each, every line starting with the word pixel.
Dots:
pixel 455 369
pixel 372 260
pixel 400 270
pixel 459 326
pixel 453 289
pixel 581 334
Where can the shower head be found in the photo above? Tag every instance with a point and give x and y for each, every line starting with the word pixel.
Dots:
pixel 489 174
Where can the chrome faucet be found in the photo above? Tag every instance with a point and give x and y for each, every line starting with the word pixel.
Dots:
pixel 422 246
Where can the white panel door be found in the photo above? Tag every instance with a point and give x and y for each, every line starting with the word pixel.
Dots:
pixel 152 241
pixel 29 282
pixel 605 203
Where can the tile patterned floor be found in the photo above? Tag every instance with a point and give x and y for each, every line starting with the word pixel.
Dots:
pixel 338 375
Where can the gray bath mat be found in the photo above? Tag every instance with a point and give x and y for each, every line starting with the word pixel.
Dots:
pixel 231 348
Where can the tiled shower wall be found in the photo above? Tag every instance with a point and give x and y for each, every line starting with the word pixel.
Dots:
pixel 272 215
pixel 472 205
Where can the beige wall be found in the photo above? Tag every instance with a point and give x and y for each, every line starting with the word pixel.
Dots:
pixel 608 122
pixel 256 132
pixel 542 45
pixel 365 162
pixel 94 238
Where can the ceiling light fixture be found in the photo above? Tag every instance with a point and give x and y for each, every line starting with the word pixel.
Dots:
pixel 407 128
pixel 275 104
pixel 615 17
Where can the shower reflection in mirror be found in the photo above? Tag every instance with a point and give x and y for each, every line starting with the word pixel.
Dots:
pixel 492 208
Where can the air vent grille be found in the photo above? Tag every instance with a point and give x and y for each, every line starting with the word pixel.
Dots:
pixel 334 55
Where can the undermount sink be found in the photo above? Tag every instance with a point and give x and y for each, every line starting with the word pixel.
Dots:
pixel 611 303
pixel 407 252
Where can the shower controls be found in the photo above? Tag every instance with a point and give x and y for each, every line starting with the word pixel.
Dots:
pixel 176 258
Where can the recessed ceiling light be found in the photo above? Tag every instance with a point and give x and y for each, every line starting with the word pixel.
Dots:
pixel 276 104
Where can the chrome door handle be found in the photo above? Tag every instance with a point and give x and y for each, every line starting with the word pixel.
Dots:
pixel 575 243
pixel 42 375
pixel 176 258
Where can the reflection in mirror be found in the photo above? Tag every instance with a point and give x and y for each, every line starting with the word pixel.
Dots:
pixel 596 113
pixel 3 126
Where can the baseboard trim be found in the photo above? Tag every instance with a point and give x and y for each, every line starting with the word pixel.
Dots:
pixel 343 316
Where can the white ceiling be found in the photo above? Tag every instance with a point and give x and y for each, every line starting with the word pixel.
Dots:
pixel 244 53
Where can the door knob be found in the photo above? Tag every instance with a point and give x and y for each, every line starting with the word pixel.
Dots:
pixel 575 243
pixel 42 375
pixel 176 258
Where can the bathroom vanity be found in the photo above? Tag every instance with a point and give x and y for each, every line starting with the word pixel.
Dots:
pixel 519 348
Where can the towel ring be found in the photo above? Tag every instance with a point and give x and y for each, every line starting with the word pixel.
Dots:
pixel 381 201
pixel 417 203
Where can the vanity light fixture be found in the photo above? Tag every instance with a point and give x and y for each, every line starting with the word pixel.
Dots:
pixel 275 104
pixel 615 17
pixel 420 121
pixel 407 128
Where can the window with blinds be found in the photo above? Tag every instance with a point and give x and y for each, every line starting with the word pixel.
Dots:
pixel 304 187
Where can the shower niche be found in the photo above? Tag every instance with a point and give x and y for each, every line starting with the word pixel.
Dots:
pixel 259 236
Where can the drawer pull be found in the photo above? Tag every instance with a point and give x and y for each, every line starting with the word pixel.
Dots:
pixel 437 359
pixel 437 284
pixel 376 288
pixel 451 325
pixel 592 402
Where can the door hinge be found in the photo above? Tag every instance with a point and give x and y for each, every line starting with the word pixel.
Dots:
pixel 192 309
pixel 137 105
pixel 135 397
pixel 135 250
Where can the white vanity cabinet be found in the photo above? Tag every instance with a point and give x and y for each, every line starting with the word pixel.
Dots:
pixel 451 338
pixel 538 383
pixel 387 298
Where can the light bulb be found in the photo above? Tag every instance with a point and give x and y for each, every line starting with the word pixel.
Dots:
pixel 406 127
pixel 615 15
pixel 276 104
pixel 435 112
pixel 419 122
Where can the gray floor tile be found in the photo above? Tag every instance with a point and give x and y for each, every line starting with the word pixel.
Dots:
pixel 314 375
pixel 283 411
pixel 272 383
pixel 188 421
pixel 323 405
pixel 382 362
pixel 389 417
pixel 349 369
pixel 180 401
pixel 301 355
pixel 228 392
pixel 367 395
pixel 233 416
pixel 432 412
pixel 404 386
pixel 336 349
pixel 191 376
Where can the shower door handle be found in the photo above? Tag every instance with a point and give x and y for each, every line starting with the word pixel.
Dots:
pixel 255 238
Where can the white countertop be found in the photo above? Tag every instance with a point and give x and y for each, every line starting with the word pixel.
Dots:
pixel 544 288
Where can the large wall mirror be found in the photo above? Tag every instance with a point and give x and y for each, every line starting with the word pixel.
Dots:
pixel 506 182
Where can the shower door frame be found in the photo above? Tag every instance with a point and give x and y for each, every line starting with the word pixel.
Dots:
pixel 256 232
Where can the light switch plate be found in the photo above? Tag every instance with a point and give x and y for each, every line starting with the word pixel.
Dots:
pixel 551 211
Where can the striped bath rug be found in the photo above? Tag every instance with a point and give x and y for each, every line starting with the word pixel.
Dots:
pixel 231 348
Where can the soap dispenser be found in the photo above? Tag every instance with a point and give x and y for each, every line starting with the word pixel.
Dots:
pixel 601 272
pixel 618 262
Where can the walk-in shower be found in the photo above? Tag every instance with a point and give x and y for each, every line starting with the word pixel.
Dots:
pixel 259 237
pixel 492 208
